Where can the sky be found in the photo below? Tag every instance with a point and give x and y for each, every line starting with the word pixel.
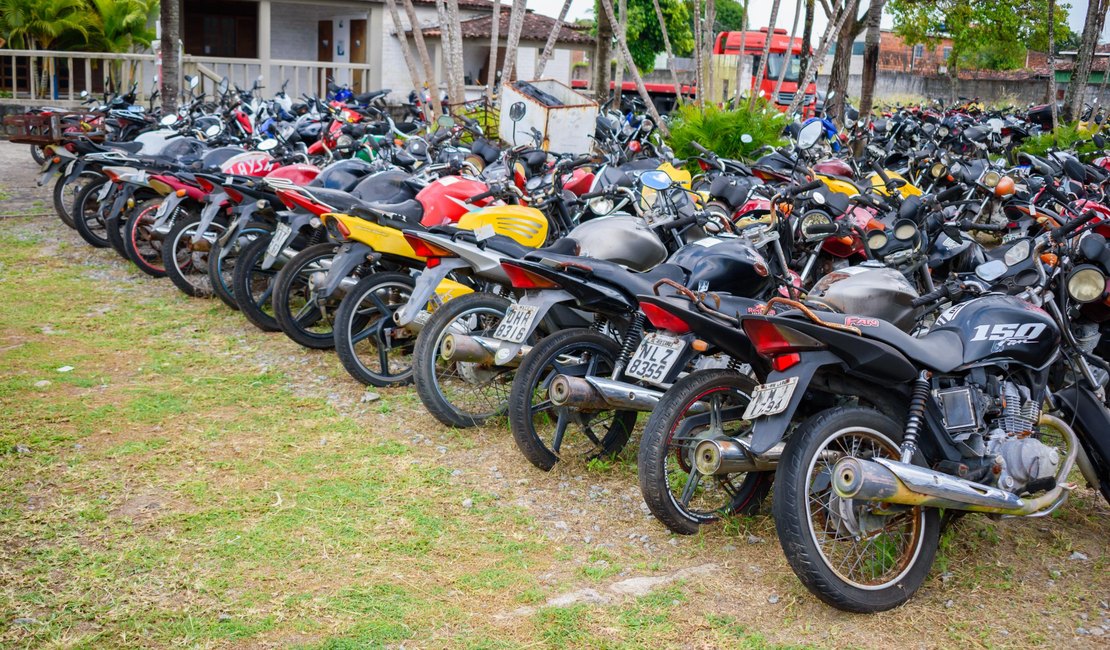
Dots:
pixel 761 14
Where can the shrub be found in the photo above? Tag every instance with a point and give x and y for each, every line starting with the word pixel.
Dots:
pixel 720 130
pixel 1066 137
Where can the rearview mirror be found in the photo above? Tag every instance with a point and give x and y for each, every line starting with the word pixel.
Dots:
pixel 746 138
pixel 516 111
pixel 655 180
pixel 445 121
pixel 192 81
pixel 1075 170
pixel 810 135
pixel 223 85
pixel 212 131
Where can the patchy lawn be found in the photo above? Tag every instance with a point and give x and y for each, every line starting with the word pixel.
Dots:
pixel 191 481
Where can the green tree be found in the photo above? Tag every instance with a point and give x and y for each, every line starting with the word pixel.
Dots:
pixel 122 25
pixel 38 24
pixel 645 38
pixel 730 16
pixel 993 35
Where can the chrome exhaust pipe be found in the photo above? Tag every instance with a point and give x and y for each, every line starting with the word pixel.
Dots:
pixel 725 455
pixel 599 394
pixel 890 481
pixel 477 349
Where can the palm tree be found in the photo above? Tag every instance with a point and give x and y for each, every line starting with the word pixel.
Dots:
pixel 37 24
pixel 122 26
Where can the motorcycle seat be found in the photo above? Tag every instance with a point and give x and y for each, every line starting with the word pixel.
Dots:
pixel 561 246
pixel 366 98
pixel 630 282
pixel 130 147
pixel 507 246
pixel 409 211
pixel 940 350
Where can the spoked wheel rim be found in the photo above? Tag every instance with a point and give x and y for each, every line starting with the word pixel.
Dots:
pixel 92 215
pixel 142 239
pixel 71 191
pixel 473 390
pixel 225 261
pixel 864 546
pixel 191 262
pixel 303 304
pixel 707 416
pixel 381 347
pixel 566 431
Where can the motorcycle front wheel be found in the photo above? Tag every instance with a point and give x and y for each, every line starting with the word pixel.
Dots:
pixel 372 348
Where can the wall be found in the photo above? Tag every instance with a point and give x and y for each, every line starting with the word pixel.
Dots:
pixel 897 86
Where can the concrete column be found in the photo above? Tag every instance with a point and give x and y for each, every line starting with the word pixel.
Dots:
pixel 264 44
pixel 375 41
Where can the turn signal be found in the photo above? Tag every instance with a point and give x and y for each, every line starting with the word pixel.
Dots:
pixel 181 193
pixel 426 249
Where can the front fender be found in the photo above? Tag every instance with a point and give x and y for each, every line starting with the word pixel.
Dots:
pixel 1093 419
pixel 768 431
pixel 208 215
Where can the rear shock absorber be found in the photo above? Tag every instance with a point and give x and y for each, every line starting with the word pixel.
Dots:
pixel 318 236
pixel 916 415
pixel 631 341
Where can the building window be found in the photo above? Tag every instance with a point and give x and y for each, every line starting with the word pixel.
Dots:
pixel 918 51
pixel 857 48
pixel 947 53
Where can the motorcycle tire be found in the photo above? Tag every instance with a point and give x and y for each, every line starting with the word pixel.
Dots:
pixel 141 244
pixel 590 354
pixel 88 216
pixel 294 306
pixel 187 263
pixel 253 286
pixel 666 466
pixel 373 349
pixel 443 386
pixel 222 263
pixel 804 510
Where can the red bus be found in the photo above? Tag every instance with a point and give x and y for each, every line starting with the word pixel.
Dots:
pixel 752 43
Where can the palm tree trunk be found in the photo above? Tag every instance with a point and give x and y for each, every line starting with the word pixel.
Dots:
pixel 740 59
pixel 667 47
pixel 494 46
pixel 1052 65
pixel 834 27
pixel 807 36
pixel 425 60
pixel 761 73
pixel 549 46
pixel 406 53
pixel 451 40
pixel 870 58
pixel 602 54
pixel 699 80
pixel 516 24
pixel 1077 87
pixel 790 51
pixel 622 28
pixel 622 45
pixel 170 15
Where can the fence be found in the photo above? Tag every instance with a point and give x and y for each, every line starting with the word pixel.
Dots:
pixel 60 77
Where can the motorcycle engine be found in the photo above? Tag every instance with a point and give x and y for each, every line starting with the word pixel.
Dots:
pixel 996 420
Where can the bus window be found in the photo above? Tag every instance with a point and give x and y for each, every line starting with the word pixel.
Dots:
pixel 793 72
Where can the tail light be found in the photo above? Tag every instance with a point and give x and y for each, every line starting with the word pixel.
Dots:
pixel 634 146
pixel 233 194
pixel 293 199
pixel 111 174
pixel 426 249
pixel 524 279
pixel 779 344
pixel 159 186
pixel 663 319
pixel 205 185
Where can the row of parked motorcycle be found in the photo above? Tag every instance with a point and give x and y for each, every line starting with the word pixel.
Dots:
pixel 881 331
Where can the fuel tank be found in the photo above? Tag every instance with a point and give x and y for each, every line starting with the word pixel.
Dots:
pixel 620 238
pixel 999 329
pixel 870 289
pixel 729 265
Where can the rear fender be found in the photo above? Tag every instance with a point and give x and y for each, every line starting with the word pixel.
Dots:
pixel 768 431
pixel 588 291
pixel 425 288
pixel 299 220
pixel 123 192
pixel 543 301
pixel 346 260
pixel 216 200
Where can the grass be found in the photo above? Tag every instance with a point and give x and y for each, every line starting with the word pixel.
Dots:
pixel 195 483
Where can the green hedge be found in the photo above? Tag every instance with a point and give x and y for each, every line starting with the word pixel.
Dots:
pixel 720 130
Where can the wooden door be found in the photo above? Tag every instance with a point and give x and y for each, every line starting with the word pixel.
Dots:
pixel 358 53
pixel 324 46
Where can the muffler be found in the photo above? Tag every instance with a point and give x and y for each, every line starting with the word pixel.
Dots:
pixel 890 481
pixel 725 455
pixel 477 349
pixel 599 394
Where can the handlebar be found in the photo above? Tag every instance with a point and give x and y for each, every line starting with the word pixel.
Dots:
pixel 933 296
pixel 484 195
pixel 1070 227
pixel 700 149
pixel 824 229
pixel 801 189
pixel 953 192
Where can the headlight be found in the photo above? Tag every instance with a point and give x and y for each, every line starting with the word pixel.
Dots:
pixel 943 131
pixel 601 205
pixel 1086 284
pixel 814 219
pixel 904 230
pixel 938 170
pixel 991 178
pixel 877 240
pixel 344 141
pixel 1018 253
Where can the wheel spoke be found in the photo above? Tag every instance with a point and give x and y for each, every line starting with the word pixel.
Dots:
pixel 691 487
pixel 560 430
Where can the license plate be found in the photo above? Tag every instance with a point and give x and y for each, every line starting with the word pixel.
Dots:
pixel 278 241
pixel 517 323
pixel 655 358
pixel 771 399
pixel 103 193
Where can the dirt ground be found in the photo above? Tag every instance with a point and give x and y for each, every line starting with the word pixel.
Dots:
pixel 192 481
